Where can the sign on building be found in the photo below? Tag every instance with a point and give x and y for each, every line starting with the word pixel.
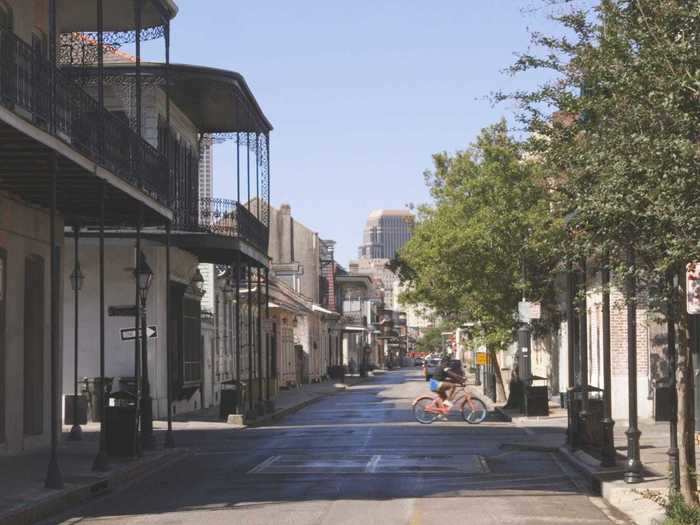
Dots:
pixel 129 334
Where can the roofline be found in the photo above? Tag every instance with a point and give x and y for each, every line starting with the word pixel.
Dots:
pixel 214 73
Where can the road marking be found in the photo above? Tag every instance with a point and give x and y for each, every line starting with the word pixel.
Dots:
pixel 265 464
pixel 371 467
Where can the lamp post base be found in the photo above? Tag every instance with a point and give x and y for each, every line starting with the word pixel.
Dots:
pixel 101 462
pixel 633 466
pixel 608 454
pixel 54 478
pixel 76 433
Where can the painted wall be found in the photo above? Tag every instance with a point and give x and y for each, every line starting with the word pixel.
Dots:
pixel 24 232
pixel 120 290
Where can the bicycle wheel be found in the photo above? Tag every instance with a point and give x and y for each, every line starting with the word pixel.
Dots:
pixel 419 411
pixel 474 411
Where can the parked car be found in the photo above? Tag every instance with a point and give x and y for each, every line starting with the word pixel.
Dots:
pixel 418 361
pixel 430 367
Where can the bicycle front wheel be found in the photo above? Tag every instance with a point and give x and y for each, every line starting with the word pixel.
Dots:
pixel 422 415
pixel 474 411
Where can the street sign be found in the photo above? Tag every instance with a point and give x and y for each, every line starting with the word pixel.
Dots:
pixel 528 311
pixel 129 334
pixel 129 310
pixel 482 358
pixel 692 276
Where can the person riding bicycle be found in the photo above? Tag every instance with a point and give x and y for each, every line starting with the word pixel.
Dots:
pixel 446 379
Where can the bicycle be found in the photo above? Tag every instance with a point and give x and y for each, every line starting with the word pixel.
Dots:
pixel 427 409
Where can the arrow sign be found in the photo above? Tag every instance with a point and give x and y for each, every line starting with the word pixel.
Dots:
pixel 129 334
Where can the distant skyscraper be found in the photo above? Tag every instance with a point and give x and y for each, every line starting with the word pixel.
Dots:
pixel 385 233
pixel 206 169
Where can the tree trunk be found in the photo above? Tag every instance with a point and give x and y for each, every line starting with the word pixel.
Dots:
pixel 500 388
pixel 686 404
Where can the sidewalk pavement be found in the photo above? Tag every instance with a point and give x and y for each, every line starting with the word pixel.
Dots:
pixel 24 500
pixel 549 433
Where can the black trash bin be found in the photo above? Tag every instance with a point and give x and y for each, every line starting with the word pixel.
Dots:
pixel 127 384
pixel 91 388
pixel 120 425
pixel 230 399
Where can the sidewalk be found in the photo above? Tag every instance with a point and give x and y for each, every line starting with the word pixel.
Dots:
pixel 549 433
pixel 24 500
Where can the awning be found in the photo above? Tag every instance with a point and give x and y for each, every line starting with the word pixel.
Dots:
pixel 321 309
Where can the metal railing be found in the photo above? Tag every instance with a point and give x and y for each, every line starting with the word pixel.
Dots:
pixel 28 84
pixel 224 217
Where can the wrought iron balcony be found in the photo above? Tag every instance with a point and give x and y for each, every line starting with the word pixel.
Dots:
pixel 29 83
pixel 224 217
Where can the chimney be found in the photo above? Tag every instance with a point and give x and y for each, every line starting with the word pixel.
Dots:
pixel 286 232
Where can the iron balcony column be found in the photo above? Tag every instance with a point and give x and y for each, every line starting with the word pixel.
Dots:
pixel 169 438
pixel 76 433
pixel 137 339
pixel 100 80
pixel 54 478
pixel 138 13
pixel 237 314
pixel 250 339
pixel 268 338
pixel 258 311
pixel 633 465
pixel 101 462
pixel 257 177
pixel 147 441
pixel 53 56
pixel 608 452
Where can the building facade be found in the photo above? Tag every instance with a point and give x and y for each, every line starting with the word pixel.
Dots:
pixel 385 233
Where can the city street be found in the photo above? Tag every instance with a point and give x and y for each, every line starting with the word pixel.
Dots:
pixel 356 457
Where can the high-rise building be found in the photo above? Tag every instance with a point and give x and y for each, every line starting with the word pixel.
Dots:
pixel 385 233
pixel 206 169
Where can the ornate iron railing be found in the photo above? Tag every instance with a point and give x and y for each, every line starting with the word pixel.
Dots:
pixel 222 217
pixel 28 83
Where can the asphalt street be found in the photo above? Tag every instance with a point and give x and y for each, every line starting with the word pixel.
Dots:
pixel 356 457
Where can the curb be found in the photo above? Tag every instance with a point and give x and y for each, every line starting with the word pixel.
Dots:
pixel 62 500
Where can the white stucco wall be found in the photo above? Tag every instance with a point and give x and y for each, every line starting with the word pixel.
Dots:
pixel 120 290
pixel 24 231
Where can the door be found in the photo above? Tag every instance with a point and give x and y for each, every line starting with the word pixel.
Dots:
pixel 34 320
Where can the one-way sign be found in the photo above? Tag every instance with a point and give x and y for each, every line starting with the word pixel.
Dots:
pixel 129 334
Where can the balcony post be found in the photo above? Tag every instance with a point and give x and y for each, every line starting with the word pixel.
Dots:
pixel 54 478
pixel 269 336
pixel 572 430
pixel 167 106
pixel 259 330
pixel 257 177
pixel 138 13
pixel 238 167
pixel 53 55
pixel 249 277
pixel 237 314
pixel 247 147
pixel 76 432
pixel 267 174
pixel 100 80
pixel 137 339
pixel 101 463
pixel 169 438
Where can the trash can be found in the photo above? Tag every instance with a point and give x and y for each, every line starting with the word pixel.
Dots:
pixel 120 424
pixel 91 389
pixel 127 384
pixel 230 399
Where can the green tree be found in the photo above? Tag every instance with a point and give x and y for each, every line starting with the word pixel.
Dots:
pixel 618 130
pixel 487 239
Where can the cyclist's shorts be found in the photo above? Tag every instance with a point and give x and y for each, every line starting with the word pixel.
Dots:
pixel 434 385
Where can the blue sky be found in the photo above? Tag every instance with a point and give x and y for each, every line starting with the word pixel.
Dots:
pixel 361 93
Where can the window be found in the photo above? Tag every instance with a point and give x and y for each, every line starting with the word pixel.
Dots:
pixel 34 309
pixel 3 295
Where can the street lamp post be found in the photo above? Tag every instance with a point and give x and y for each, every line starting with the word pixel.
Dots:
pixel 144 277
pixel 76 282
